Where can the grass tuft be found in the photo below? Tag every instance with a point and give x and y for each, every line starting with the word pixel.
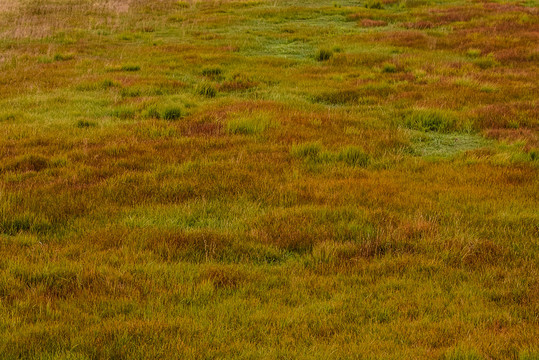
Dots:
pixel 206 89
pixel 473 53
pixel 107 83
pixel 152 113
pixel 130 67
pixel 248 125
pixel 432 120
pixel 353 156
pixel 63 57
pixel 307 151
pixel 85 124
pixel 124 112
pixel 374 4
pixel 212 71
pixel 8 116
pixel 171 113
pixel 323 55
pixel 389 68
pixel 486 62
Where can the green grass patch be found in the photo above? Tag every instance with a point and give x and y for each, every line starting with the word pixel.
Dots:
pixel 389 68
pixel 212 72
pixel 323 55
pixel 249 125
pixel 313 153
pixel 432 120
pixel 129 67
pixel 85 124
pixel 374 4
pixel 353 156
pixel 172 113
pixel 310 151
pixel 124 112
pixel 206 89
pixel 446 145
pixel 486 62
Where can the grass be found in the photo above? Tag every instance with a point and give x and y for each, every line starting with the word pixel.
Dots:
pixel 314 153
pixel 268 179
pixel 353 156
pixel 248 125
pixel 389 68
pixel 171 113
pixel 212 71
pixel 448 145
pixel 206 89
pixel 323 55
pixel 374 4
pixel 432 120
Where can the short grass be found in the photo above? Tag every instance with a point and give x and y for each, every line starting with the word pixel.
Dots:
pixel 269 179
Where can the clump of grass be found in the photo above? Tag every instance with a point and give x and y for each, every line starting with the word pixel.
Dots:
pixel 487 88
pixel 212 71
pixel 63 57
pixel 124 112
pixel 353 156
pixel 431 120
pixel 169 113
pixel 14 224
pixel 389 68
pixel 130 92
pixel 486 62
pixel 473 53
pixel 323 55
pixel 206 89
pixel 374 4
pixel 340 97
pixel 534 154
pixel 309 151
pixel 9 116
pixel 107 83
pixel 152 113
pixel 125 67
pixel 85 124
pixel 129 67
pixel 411 3
pixel 248 125
pixel 313 152
pixel 513 124
pixel 172 113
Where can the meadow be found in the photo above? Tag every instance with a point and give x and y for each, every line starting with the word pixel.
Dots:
pixel 269 179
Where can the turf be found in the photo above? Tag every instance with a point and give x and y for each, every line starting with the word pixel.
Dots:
pixel 269 179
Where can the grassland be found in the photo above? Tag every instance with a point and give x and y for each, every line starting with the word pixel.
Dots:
pixel 269 179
